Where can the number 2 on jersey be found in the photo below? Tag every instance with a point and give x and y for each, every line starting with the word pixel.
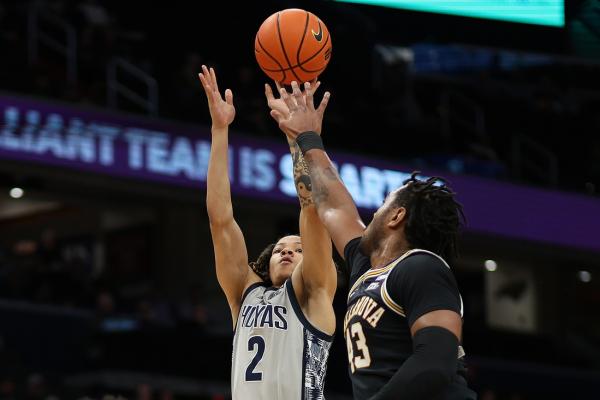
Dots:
pixel 258 343
pixel 355 335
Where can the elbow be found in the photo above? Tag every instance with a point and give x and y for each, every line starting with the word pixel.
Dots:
pixel 219 217
pixel 326 215
pixel 440 376
pixel 435 358
pixel 429 383
pixel 440 368
pixel 219 221
pixel 439 371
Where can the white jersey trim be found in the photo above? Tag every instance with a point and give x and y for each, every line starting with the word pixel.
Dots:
pixel 300 314
pixel 248 290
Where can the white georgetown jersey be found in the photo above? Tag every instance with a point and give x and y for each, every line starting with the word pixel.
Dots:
pixel 277 353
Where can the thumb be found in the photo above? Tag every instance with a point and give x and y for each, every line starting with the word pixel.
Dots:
pixel 229 96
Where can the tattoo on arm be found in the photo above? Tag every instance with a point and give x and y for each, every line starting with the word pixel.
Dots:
pixel 301 176
pixel 320 176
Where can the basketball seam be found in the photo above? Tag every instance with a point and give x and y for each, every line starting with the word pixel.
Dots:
pixel 302 40
pixel 307 60
pixel 313 56
pixel 283 49
pixel 297 66
pixel 273 58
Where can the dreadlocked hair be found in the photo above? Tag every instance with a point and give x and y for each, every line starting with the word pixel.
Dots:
pixel 434 217
pixel 261 265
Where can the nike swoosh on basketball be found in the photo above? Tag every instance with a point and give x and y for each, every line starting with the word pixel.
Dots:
pixel 318 35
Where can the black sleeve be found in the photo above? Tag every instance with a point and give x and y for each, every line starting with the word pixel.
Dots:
pixel 428 371
pixel 357 262
pixel 423 283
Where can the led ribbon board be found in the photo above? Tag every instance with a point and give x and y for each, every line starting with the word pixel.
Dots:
pixel 537 12
pixel 165 152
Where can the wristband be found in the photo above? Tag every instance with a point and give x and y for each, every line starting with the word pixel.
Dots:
pixel 309 140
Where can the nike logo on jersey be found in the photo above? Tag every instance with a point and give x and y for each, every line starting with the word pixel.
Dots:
pixel 264 316
pixel 372 286
pixel 318 35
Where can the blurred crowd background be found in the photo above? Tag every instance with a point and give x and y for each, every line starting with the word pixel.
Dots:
pixel 106 283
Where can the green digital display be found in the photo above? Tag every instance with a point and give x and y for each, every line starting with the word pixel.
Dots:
pixel 537 12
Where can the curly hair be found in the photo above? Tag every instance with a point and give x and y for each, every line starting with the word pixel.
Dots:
pixel 261 265
pixel 434 217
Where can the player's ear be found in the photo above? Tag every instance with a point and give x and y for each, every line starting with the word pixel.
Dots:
pixel 396 218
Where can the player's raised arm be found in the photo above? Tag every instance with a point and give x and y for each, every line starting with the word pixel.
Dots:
pixel 315 279
pixel 334 203
pixel 231 256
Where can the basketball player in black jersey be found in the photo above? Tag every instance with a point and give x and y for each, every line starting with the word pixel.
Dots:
pixel 403 324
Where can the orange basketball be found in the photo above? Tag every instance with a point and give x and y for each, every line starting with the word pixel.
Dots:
pixel 292 45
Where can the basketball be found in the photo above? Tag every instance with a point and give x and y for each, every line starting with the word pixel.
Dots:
pixel 292 45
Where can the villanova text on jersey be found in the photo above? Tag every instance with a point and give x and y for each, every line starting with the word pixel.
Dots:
pixel 367 309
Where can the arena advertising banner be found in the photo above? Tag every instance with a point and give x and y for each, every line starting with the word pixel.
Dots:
pixel 153 150
pixel 536 12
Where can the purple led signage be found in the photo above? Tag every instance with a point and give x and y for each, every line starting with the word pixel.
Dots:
pixel 165 152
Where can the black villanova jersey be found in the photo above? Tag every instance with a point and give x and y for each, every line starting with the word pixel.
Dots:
pixel 382 305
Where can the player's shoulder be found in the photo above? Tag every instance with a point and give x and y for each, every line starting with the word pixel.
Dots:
pixel 420 261
pixel 358 263
pixel 254 292
pixel 352 248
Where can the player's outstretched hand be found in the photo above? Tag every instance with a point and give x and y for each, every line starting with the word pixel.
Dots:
pixel 295 113
pixel 277 103
pixel 222 111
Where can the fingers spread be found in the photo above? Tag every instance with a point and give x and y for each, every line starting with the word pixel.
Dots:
pixel 269 93
pixel 289 101
pixel 214 80
pixel 315 86
pixel 207 76
pixel 206 86
pixel 324 103
pixel 309 96
pixel 203 80
pixel 298 94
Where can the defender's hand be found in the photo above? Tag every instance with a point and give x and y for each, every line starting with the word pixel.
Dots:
pixel 222 112
pixel 295 113
pixel 278 104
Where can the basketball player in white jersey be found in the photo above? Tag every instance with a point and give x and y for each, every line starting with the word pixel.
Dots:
pixel 281 305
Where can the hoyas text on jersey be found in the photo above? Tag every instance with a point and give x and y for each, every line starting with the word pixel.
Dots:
pixel 264 316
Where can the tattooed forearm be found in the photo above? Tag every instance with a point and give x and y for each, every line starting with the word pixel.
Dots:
pixel 320 175
pixel 301 176
pixel 321 193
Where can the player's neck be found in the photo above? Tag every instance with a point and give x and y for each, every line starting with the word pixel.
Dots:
pixel 388 250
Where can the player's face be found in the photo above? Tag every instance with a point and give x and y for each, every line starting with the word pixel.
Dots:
pixel 287 253
pixel 375 231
